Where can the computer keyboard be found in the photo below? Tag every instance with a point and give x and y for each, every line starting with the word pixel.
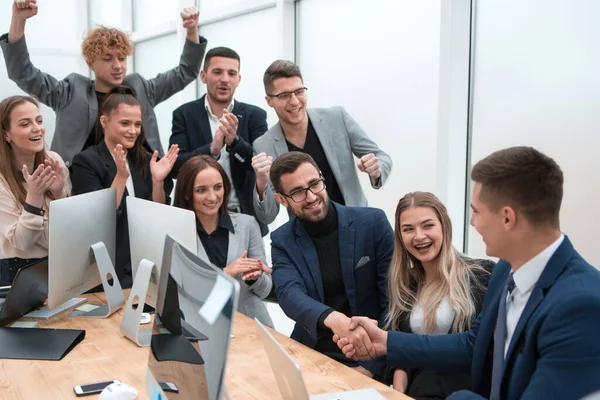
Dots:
pixel 46 313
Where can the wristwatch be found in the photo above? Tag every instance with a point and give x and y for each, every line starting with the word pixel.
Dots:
pixel 33 210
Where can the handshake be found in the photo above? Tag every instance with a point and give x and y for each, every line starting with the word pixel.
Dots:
pixel 359 338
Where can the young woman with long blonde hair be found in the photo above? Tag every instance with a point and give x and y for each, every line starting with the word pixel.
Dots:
pixel 433 288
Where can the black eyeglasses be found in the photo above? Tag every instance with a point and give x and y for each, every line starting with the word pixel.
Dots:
pixel 285 96
pixel 298 196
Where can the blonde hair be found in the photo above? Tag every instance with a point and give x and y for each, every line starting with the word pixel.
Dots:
pixel 454 276
pixel 99 41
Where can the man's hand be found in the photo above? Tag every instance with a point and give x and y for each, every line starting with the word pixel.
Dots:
pixel 369 164
pixel 190 16
pixel 21 11
pixel 378 339
pixel 357 336
pixel 229 126
pixel 218 142
pixel 261 163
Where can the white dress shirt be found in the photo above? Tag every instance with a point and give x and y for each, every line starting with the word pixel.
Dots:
pixel 224 157
pixel 444 318
pixel 525 279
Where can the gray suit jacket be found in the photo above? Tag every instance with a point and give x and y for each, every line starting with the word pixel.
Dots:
pixel 341 137
pixel 247 236
pixel 74 98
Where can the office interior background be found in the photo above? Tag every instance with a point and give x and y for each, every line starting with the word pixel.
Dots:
pixel 438 84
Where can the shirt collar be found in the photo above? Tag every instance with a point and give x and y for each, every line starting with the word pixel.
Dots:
pixel 527 276
pixel 209 110
pixel 224 222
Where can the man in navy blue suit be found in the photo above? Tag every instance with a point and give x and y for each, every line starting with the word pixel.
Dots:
pixel 538 335
pixel 220 126
pixel 329 263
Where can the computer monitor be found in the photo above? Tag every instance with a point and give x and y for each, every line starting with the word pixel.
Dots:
pixel 149 224
pixel 200 297
pixel 81 251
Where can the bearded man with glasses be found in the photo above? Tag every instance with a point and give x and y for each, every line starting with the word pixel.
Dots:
pixel 330 263
pixel 330 135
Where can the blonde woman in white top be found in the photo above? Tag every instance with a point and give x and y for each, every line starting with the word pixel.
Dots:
pixel 30 177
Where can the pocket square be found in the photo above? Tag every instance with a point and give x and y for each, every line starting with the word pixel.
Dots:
pixel 363 260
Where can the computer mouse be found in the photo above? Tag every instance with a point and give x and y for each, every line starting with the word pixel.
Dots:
pixel 118 391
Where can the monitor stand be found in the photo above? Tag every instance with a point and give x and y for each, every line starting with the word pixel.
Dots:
pixel 130 324
pixel 114 293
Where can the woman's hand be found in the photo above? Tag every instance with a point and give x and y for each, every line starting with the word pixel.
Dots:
pixel 38 183
pixel 160 169
pixel 121 162
pixel 58 186
pixel 244 266
pixel 400 381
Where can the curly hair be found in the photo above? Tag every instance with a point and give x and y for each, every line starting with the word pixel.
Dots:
pixel 102 39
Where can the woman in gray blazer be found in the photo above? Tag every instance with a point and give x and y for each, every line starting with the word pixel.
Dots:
pixel 230 241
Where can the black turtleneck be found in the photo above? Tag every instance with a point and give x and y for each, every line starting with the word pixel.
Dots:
pixel 324 235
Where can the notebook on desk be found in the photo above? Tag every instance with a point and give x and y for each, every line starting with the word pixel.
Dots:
pixel 38 343
pixel 289 376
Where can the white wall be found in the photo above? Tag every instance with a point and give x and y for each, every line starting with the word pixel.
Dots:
pixel 381 63
pixel 537 84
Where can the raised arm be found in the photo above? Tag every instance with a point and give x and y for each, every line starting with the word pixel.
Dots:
pixel 166 84
pixel 45 87
pixel 362 146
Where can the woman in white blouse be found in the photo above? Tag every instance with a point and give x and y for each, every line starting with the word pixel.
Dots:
pixel 30 177
pixel 433 289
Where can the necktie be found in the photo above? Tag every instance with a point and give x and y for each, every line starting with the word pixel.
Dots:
pixel 500 339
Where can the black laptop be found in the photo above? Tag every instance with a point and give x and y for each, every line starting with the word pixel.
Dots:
pixel 27 293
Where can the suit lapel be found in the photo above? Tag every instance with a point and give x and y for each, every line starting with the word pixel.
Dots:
pixel 279 144
pixel 205 131
pixel 326 137
pixel 307 248
pixel 92 107
pixel 346 237
pixel 234 242
pixel 553 269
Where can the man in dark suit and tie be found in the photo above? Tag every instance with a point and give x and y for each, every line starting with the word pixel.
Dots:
pixel 537 336
pixel 330 263
pixel 220 126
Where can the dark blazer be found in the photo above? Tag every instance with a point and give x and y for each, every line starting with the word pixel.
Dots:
pixel 74 98
pixel 366 242
pixel 95 169
pixel 429 384
pixel 191 131
pixel 554 352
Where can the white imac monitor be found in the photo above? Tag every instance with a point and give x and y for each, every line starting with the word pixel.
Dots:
pixel 200 298
pixel 149 224
pixel 81 251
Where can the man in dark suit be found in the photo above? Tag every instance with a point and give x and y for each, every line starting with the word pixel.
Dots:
pixel 537 335
pixel 220 126
pixel 330 263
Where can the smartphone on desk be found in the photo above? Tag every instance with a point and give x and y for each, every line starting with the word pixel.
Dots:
pixel 92 388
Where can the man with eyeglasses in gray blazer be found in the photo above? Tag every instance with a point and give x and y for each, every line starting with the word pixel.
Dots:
pixel 330 135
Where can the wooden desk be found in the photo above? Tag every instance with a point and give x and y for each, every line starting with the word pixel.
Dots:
pixel 105 354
